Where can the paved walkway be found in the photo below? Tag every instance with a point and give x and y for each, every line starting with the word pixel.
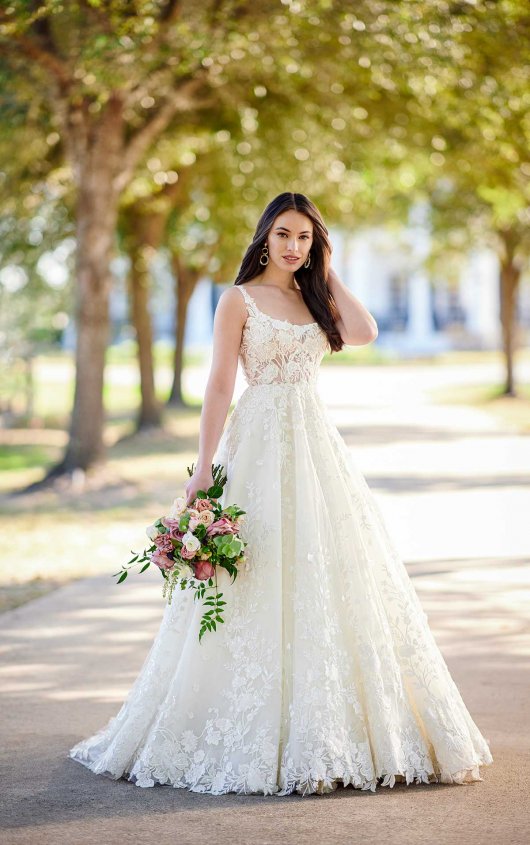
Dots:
pixel 452 486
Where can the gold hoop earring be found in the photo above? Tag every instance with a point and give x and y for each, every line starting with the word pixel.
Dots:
pixel 264 255
pixel 308 262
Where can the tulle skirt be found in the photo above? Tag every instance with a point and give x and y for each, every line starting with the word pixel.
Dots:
pixel 325 670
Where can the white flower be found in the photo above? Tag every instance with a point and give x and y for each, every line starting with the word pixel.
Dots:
pixel 189 741
pixel 178 507
pixel 254 669
pixel 213 737
pixel 218 782
pixel 191 542
pixel 152 532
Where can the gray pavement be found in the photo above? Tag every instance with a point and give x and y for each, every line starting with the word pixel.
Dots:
pixel 452 485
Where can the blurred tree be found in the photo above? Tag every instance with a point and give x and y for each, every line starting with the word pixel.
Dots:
pixel 470 123
pixel 356 103
pixel 114 76
pixel 240 153
pixel 36 250
pixel 143 225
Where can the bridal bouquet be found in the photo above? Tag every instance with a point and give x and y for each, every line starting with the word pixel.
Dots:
pixel 190 543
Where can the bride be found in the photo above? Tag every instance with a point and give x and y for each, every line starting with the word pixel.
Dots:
pixel 326 671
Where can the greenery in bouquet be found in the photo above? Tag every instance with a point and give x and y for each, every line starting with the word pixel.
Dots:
pixel 190 543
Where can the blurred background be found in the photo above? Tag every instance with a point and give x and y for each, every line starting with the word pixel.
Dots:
pixel 140 143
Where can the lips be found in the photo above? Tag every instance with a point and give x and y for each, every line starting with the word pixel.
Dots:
pixel 290 258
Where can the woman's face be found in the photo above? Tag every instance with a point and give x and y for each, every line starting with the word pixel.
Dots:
pixel 291 236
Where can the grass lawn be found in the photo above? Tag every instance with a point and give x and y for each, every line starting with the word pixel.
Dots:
pixel 52 536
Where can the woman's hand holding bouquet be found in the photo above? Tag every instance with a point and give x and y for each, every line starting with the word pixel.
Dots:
pixel 197 536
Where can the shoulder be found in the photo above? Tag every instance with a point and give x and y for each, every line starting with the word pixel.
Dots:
pixel 231 294
pixel 231 303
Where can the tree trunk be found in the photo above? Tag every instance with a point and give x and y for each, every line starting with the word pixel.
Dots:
pixel 510 274
pixel 185 280
pixel 149 415
pixel 97 149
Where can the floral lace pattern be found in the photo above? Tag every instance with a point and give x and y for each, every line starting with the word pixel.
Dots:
pixel 268 354
pixel 325 670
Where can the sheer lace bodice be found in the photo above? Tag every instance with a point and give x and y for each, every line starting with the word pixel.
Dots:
pixel 275 351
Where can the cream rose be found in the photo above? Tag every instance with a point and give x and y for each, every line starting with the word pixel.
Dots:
pixel 152 532
pixel 206 518
pixel 178 507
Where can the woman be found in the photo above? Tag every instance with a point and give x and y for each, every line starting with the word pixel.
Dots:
pixel 325 670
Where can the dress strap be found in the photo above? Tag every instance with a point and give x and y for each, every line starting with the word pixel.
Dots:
pixel 252 308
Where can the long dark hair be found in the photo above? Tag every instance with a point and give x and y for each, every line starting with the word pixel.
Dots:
pixel 312 280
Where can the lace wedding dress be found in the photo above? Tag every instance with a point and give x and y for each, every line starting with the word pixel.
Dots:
pixel 325 670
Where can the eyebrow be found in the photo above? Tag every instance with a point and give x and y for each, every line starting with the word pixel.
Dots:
pixel 305 232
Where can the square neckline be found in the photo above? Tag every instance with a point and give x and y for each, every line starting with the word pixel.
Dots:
pixel 274 319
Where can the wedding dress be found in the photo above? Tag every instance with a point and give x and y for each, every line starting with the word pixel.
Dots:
pixel 325 670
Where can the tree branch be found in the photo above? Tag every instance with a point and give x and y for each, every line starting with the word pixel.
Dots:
pixel 45 59
pixel 170 12
pixel 183 99
pixel 97 15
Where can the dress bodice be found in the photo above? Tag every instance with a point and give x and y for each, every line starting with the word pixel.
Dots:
pixel 275 351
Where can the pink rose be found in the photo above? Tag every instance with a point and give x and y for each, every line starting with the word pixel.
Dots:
pixel 203 505
pixel 173 527
pixel 203 570
pixel 163 543
pixel 186 554
pixel 162 561
pixel 221 526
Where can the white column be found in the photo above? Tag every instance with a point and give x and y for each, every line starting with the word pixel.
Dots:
pixel 420 335
pixel 480 294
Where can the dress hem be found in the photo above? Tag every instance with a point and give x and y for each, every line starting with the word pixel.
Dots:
pixel 323 786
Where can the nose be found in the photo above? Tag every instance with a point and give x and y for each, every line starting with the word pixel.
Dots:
pixel 293 245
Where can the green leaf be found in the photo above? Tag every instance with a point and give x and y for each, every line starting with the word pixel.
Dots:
pixel 215 492
pixel 122 577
